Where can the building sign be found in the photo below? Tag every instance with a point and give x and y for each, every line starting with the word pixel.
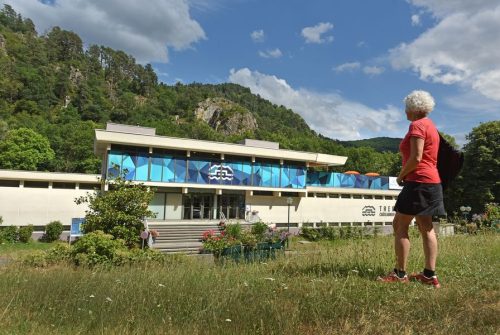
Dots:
pixel 386 211
pixel 76 226
pixel 368 211
pixel 220 172
pixel 382 210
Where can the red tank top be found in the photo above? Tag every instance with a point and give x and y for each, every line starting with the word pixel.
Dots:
pixel 426 171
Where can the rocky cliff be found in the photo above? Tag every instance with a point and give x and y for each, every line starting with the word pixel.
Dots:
pixel 225 116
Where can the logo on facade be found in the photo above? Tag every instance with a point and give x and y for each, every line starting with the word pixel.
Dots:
pixel 218 172
pixel 386 211
pixel 368 211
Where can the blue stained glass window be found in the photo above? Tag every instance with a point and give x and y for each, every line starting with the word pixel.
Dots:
pixel 180 170
pixel 198 171
pixel 266 175
pixel 229 173
pixel 114 164
pixel 129 166
pixel 142 167
pixel 156 168
pixel 276 172
pixel 285 176
pixel 246 169
pixel 168 174
pixel 256 175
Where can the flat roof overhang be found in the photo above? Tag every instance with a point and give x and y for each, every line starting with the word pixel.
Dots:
pixel 103 140
pixel 49 176
pixel 349 190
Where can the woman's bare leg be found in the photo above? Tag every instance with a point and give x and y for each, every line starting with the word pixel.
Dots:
pixel 429 241
pixel 400 226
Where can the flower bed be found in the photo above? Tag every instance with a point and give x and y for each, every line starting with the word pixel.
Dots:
pixel 233 243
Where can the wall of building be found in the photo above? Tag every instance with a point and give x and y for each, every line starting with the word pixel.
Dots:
pixel 21 206
pixel 315 210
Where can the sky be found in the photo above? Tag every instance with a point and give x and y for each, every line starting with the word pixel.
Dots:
pixel 345 66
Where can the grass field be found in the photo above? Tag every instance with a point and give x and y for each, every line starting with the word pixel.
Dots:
pixel 320 288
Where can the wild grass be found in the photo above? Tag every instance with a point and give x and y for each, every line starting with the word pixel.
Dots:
pixel 12 251
pixel 320 288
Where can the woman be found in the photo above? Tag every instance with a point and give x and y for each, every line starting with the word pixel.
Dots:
pixel 422 195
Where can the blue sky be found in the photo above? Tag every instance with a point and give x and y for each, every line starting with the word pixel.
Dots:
pixel 344 66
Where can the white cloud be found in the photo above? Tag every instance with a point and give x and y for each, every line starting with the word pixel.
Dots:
pixel 415 20
pixel 276 53
pixel 462 48
pixel 143 30
pixel 373 70
pixel 258 35
pixel 315 34
pixel 328 113
pixel 347 67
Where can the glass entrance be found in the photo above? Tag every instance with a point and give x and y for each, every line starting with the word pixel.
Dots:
pixel 197 206
pixel 232 205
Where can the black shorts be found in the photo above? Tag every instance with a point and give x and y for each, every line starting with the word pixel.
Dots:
pixel 420 199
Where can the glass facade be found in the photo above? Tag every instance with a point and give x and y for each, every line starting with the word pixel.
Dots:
pixel 165 168
pixel 334 179
pixel 171 169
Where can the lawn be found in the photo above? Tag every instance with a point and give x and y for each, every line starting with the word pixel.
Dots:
pixel 319 288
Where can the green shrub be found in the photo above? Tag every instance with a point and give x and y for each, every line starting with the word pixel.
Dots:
pixel 259 229
pixel 329 233
pixel 98 248
pixel 53 231
pixel 9 234
pixel 310 234
pixel 233 230
pixel 25 233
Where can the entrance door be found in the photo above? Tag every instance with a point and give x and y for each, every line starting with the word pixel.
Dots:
pixel 197 206
pixel 232 205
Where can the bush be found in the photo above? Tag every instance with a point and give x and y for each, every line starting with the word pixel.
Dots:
pixel 334 233
pixel 60 253
pixel 9 234
pixel 259 229
pixel 233 230
pixel 53 231
pixel 98 248
pixel 310 234
pixel 25 233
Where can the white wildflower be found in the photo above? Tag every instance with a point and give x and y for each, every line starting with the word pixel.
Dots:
pixel 228 320
pixel 109 299
pixel 161 285
pixel 269 278
pixel 91 296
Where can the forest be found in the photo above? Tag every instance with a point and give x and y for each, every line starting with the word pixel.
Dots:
pixel 54 92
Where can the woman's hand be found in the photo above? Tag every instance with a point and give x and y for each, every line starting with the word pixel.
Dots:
pixel 400 181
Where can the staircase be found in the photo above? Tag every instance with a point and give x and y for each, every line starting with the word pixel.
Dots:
pixel 181 237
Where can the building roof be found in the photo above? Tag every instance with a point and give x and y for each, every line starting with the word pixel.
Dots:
pixel 49 176
pixel 105 138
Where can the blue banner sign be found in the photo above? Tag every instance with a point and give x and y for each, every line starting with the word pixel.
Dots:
pixel 76 226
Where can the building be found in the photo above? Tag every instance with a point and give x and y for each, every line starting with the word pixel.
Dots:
pixel 202 181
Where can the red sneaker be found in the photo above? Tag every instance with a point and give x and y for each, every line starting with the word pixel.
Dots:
pixel 392 277
pixel 432 281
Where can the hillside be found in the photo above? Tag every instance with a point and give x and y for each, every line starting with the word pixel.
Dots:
pixel 53 86
pixel 380 144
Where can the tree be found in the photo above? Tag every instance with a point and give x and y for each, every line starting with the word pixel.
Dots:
pixel 479 181
pixel 119 211
pixel 25 149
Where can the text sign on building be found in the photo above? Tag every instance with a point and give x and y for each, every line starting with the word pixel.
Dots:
pixel 382 211
pixel 220 172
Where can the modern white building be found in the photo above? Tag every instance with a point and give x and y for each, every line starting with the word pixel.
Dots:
pixel 198 181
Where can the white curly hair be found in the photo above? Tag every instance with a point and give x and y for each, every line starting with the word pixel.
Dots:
pixel 419 101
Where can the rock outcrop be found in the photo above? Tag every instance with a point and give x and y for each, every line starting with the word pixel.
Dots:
pixel 225 116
